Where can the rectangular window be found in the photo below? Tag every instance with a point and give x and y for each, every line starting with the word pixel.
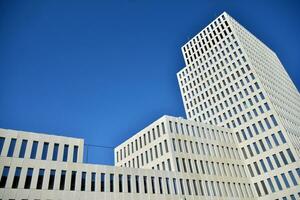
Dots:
pixel 168 185
pixel 293 178
pixel 153 184
pixel 75 153
pixel 39 184
pixel 281 137
pixel 62 180
pixel 1 144
pixel 65 156
pixel 83 179
pixel 274 120
pixel 181 186
pixel 137 184
pixel 145 184
pixel 111 180
pixel 73 181
pixel 291 155
pixel 285 180
pixel 271 185
pixel 4 177
pixel 23 149
pixel 128 183
pixel 28 178
pixel 45 150
pixel 175 186
pixel 120 183
pixel 34 150
pixel 93 181
pixel 160 185
pixel 51 179
pixel 16 177
pixel 102 182
pixel 278 182
pixel 55 152
pixel 11 149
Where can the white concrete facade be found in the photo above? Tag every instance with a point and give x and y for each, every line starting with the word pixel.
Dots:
pixel 240 139
pixel 233 80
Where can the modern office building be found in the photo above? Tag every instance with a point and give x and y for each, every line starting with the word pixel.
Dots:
pixel 240 139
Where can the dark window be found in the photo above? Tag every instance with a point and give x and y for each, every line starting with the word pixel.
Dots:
pixel 128 183
pixel 39 184
pixel 137 184
pixel 160 185
pixel 62 180
pixel 102 180
pixel 153 184
pixel 281 137
pixel 45 150
pixel 34 150
pixel 65 156
pixel 75 153
pixel 83 178
pixel 93 181
pixel 175 185
pixel 145 185
pixel 168 185
pixel 181 186
pixel 51 179
pixel 55 152
pixel 16 177
pixel 73 180
pixel 120 183
pixel 291 155
pixel 4 177
pixel 1 144
pixel 28 178
pixel 11 149
pixel 23 149
pixel 111 180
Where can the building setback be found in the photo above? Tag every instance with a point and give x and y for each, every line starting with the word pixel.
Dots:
pixel 240 139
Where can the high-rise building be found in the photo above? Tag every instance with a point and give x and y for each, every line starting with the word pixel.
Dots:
pixel 233 80
pixel 240 139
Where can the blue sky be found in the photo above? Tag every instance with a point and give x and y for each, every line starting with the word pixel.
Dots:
pixel 103 70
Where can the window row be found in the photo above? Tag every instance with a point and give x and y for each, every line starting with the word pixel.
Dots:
pixel 209 168
pixel 33 149
pixel 271 162
pixel 109 182
pixel 211 150
pixel 277 183
pixel 140 142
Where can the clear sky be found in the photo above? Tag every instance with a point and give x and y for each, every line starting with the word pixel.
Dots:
pixel 103 70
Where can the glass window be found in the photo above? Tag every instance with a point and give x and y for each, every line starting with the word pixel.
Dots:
pixel 153 184
pixel 291 155
pixel 28 178
pixel 102 182
pixel 274 120
pixel 11 147
pixel 271 185
pixel 293 178
pixel 4 177
pixel 73 180
pixel 111 180
pixel 285 180
pixel 23 149
pixel 160 185
pixel 75 153
pixel 275 139
pixel 55 152
pixel 263 165
pixel 283 158
pixel 65 156
pixel 281 137
pixel 93 181
pixel 39 184
pixel 278 182
pixel 83 179
pixel 34 150
pixel 2 139
pixel 181 186
pixel 128 183
pixel 276 160
pixel 168 185
pixel 145 184
pixel 270 163
pixel 175 186
pixel 45 150
pixel 16 177
pixel 62 180
pixel 137 184
pixel 51 179
pixel 120 183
